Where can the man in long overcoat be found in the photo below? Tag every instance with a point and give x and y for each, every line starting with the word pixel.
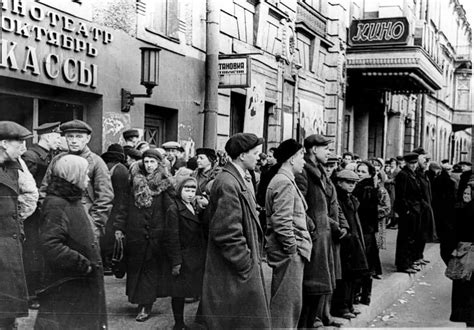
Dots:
pixel 408 206
pixel 37 158
pixel 320 274
pixel 99 194
pixel 13 291
pixel 427 230
pixel 233 294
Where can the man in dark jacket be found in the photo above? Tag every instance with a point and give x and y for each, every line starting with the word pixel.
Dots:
pixel 427 230
pixel 320 275
pixel 233 293
pixel 13 290
pixel 99 194
pixel 37 158
pixel 408 206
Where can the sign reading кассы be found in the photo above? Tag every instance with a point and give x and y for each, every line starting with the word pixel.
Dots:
pixel 234 71
pixel 41 44
pixel 379 31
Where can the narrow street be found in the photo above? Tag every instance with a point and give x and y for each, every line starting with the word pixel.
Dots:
pixel 426 304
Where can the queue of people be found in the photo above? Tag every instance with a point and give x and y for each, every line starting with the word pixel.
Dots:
pixel 203 228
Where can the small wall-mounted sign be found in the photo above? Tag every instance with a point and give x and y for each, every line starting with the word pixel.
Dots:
pixel 379 31
pixel 234 71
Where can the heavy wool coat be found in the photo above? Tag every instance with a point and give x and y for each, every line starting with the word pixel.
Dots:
pixel 234 294
pixel 13 291
pixel 71 297
pixel 320 274
pixel 462 297
pixel 427 221
pixel 148 275
pixel 184 245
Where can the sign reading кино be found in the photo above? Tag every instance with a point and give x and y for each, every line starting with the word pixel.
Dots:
pixel 41 44
pixel 379 31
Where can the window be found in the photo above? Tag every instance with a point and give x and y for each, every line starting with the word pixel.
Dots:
pixel 163 17
pixel 316 4
pixel 245 18
pixel 303 51
pixel 321 64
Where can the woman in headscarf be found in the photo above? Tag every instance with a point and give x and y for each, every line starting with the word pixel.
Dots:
pixel 185 248
pixel 73 296
pixel 141 220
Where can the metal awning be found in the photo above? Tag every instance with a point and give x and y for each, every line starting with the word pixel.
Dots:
pixel 406 70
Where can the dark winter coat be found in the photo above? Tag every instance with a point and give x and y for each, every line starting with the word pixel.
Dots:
pixel 462 297
pixel 13 292
pixel 37 159
pixel 184 245
pixel 233 294
pixel 119 177
pixel 99 193
pixel 320 274
pixel 71 297
pixel 353 259
pixel 367 194
pixel 444 201
pixel 147 267
pixel 427 221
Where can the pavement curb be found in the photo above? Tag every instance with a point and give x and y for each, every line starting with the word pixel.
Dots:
pixel 386 291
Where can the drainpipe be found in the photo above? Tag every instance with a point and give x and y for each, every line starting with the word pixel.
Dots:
pixel 422 121
pixel 212 79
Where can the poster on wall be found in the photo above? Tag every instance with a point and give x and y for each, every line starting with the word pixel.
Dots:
pixel 255 106
pixel 312 118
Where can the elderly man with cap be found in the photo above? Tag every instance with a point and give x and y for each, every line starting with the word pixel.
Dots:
pixel 233 294
pixel 288 242
pixel 408 205
pixel 174 155
pixel 427 229
pixel 323 209
pixel 37 158
pixel 99 193
pixel 13 289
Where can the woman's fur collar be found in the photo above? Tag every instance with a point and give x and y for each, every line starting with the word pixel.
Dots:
pixel 146 186
pixel 62 188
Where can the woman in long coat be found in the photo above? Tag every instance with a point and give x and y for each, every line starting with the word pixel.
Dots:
pixel 142 220
pixel 462 298
pixel 73 295
pixel 185 248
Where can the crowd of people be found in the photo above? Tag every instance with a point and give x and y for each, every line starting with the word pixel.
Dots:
pixel 202 227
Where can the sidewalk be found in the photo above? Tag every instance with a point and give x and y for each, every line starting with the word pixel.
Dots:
pixel 392 285
pixel 121 314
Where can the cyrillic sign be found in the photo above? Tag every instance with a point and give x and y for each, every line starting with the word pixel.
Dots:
pixel 234 71
pixel 379 31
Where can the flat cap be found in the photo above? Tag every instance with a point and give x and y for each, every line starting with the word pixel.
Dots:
pixel 465 162
pixel 152 153
pixel 130 133
pixel 434 166
pixel 286 149
pixel 48 128
pixel 10 130
pixel 411 157
pixel 208 152
pixel 347 175
pixel 76 125
pixel 316 140
pixel 241 142
pixel 171 145
pixel 419 151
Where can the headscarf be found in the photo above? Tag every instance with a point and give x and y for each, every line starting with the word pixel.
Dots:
pixel 71 168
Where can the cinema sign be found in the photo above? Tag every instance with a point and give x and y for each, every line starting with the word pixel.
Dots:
pixel 379 31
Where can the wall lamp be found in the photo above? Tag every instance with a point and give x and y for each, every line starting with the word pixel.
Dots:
pixel 150 63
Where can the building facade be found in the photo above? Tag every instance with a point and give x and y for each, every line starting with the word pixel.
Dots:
pixel 380 77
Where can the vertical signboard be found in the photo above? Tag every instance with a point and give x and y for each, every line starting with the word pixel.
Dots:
pixel 255 106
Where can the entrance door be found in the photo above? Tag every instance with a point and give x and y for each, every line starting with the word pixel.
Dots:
pixel 161 125
pixel 154 132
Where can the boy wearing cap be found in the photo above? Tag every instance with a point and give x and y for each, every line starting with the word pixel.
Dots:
pixel 99 193
pixel 13 289
pixel 288 242
pixel 233 293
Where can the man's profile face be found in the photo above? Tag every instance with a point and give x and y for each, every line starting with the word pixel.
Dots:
pixel 322 153
pixel 250 158
pixel 13 148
